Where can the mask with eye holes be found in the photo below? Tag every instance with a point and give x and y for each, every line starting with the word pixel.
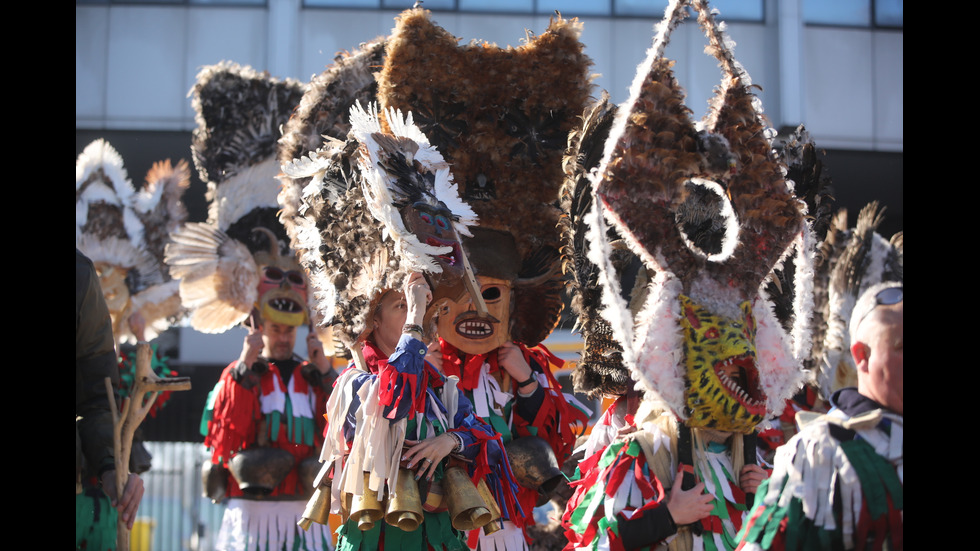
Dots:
pixel 466 329
pixel 494 258
pixel 282 289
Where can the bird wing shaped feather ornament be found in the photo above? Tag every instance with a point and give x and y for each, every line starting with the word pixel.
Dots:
pixel 859 259
pixel 222 262
pixel 124 231
pixel 703 318
pixel 501 118
pixel 601 369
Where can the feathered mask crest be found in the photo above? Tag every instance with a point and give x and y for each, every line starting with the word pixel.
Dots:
pixel 852 261
pixel 356 238
pixel 324 112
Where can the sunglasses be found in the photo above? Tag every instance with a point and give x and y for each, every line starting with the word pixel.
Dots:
pixel 276 275
pixel 884 297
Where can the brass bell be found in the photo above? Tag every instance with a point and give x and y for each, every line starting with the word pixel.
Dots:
pixel 466 508
pixel 307 471
pixel 366 509
pixel 495 522
pixel 405 506
pixel 317 508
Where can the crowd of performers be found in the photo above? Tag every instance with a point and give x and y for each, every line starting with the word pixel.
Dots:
pixel 426 209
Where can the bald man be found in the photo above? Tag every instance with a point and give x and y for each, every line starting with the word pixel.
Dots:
pixel 839 482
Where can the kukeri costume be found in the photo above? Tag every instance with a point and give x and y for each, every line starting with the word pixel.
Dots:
pixel 372 210
pixel 851 261
pixel 501 118
pixel 263 422
pixel 699 310
pixel 838 483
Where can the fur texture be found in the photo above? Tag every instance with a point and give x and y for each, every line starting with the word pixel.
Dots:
pixel 124 231
pixel 501 117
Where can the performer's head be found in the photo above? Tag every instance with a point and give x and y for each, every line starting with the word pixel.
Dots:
pixel 389 319
pixel 877 344
pixel 395 308
pixel 279 340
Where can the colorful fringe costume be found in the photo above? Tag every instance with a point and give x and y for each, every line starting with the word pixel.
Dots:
pixel 404 397
pixel 236 268
pixel 838 483
pixel 364 214
pixel 546 413
pixel 247 410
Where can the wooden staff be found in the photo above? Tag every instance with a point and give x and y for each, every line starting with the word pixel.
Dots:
pixel 124 425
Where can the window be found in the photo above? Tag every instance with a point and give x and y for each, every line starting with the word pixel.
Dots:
pixel 731 10
pixel 854 13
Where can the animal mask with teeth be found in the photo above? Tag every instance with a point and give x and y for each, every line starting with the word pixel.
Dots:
pixel 708 211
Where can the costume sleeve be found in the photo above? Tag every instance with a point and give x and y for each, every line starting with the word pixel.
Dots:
pixel 864 510
pixel 546 413
pixel 230 415
pixel 404 379
pixel 95 359
pixel 403 382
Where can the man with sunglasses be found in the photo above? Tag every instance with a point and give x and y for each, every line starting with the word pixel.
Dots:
pixel 266 415
pixel 840 480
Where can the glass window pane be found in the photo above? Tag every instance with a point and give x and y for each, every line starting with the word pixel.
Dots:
pixel 427 4
pixel 837 12
pixel 514 6
pixel 729 10
pixel 571 8
pixel 739 10
pixel 227 2
pixel 645 8
pixel 342 3
pixel 889 13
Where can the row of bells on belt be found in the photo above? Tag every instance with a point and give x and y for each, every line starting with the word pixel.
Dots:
pixel 470 506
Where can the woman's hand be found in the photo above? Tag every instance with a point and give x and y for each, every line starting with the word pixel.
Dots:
pixel 434 354
pixel 428 453
pixel 418 295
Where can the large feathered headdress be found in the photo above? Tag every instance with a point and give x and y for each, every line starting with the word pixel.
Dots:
pixel 222 262
pixel 355 237
pixel 324 112
pixel 501 117
pixel 661 176
pixel 124 232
